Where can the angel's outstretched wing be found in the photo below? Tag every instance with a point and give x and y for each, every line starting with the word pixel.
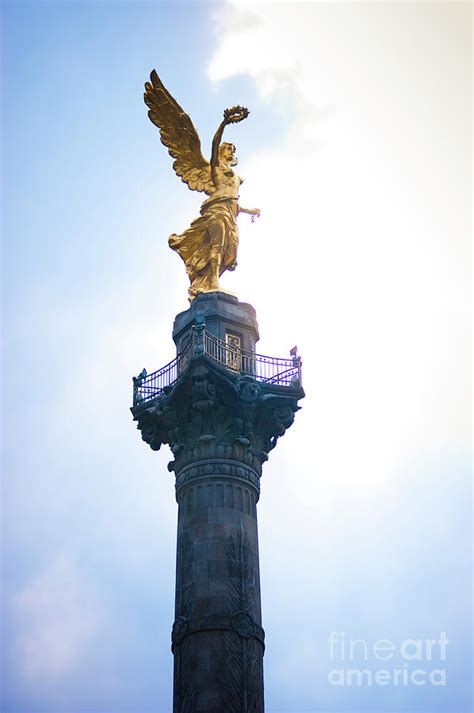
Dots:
pixel 179 135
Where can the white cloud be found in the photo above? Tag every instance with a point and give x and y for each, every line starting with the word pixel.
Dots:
pixel 365 221
pixel 57 620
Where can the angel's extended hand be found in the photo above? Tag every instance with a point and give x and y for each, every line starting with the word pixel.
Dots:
pixel 251 211
pixel 254 212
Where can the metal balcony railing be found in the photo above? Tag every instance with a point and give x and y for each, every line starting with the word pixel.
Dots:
pixel 269 370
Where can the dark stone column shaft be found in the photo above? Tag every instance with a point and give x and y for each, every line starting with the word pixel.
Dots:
pixel 218 641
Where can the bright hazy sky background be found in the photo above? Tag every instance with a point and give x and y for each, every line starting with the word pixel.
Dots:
pixel 358 152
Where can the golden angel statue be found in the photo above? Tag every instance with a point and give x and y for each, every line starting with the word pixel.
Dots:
pixel 209 246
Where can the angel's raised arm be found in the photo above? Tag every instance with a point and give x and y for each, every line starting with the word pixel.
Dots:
pixel 231 116
pixel 216 142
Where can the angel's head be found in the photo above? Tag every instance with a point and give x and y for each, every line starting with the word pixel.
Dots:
pixel 227 154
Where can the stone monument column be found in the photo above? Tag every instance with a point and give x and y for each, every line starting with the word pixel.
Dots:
pixel 218 640
pixel 221 416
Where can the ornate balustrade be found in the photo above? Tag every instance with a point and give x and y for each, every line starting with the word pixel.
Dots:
pixel 270 370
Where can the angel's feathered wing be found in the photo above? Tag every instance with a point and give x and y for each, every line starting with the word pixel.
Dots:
pixel 178 135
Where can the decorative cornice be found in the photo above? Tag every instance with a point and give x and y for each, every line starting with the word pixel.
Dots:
pixel 213 413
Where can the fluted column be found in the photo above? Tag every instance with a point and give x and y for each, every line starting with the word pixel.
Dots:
pixel 218 640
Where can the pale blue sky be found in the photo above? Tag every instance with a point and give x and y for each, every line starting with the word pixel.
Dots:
pixel 357 149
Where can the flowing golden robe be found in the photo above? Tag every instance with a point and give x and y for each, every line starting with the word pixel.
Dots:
pixel 201 245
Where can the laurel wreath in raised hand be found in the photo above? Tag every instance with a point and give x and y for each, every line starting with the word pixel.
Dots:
pixel 235 114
